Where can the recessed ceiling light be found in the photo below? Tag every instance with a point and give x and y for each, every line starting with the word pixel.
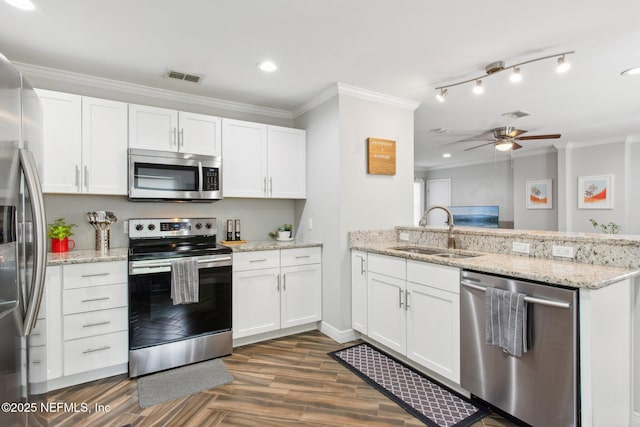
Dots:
pixel 267 66
pixel 22 4
pixel 631 71
pixel 446 155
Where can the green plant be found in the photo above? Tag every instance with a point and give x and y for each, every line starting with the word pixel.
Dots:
pixel 60 229
pixel 611 228
pixel 283 227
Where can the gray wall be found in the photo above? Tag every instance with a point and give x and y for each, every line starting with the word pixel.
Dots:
pixel 527 168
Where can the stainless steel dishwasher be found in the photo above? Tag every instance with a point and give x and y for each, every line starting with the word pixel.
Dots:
pixel 540 387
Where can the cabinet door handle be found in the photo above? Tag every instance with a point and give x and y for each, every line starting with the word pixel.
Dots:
pixel 303 256
pixel 181 140
pixel 264 186
pixel 86 177
pixel 406 301
pixel 271 186
pixel 258 260
pixel 284 281
pixel 278 285
pixel 78 177
pixel 173 136
pixel 88 325
pixel 95 299
pixel 362 266
pixel 400 297
pixel 95 275
pixel 91 350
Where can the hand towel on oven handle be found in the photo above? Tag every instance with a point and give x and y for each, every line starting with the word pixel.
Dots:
pixel 506 320
pixel 185 282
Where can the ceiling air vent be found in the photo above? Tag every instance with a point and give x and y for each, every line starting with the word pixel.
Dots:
pixel 516 114
pixel 183 76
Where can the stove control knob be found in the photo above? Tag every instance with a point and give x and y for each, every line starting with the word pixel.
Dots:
pixel 208 225
pixel 139 227
pixel 151 227
pixel 198 226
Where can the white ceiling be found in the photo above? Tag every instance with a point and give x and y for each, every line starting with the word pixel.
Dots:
pixel 403 48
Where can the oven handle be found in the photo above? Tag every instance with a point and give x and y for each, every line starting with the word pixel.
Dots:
pixel 142 267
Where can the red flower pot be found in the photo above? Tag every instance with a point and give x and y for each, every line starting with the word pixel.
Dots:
pixel 62 245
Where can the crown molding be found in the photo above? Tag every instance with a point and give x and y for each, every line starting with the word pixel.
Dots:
pixel 345 89
pixel 132 88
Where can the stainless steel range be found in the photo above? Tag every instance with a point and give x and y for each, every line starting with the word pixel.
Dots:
pixel 162 334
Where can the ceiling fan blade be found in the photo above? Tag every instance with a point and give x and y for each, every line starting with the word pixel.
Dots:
pixel 515 146
pixel 531 137
pixel 515 132
pixel 468 140
pixel 478 146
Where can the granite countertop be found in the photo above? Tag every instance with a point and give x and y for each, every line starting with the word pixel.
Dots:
pixel 79 256
pixel 566 273
pixel 267 245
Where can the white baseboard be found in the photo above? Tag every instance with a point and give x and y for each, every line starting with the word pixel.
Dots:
pixel 636 419
pixel 338 335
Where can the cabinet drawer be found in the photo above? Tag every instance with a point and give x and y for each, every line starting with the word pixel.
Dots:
pixel 254 260
pixel 38 364
pixel 96 298
pixel 434 275
pixel 99 322
pixel 94 274
pixel 97 352
pixel 38 334
pixel 300 256
pixel 387 265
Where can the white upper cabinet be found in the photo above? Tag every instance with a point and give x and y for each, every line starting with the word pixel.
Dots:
pixel 263 161
pixel 153 128
pixel 85 144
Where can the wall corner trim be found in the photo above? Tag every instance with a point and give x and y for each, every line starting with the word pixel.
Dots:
pixel 336 334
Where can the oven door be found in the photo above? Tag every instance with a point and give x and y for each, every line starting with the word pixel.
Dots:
pixel 154 320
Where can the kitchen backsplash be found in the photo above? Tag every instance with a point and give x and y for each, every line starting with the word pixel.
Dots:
pixel 258 217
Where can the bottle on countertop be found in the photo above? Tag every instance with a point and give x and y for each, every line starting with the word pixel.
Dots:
pixel 237 230
pixel 229 230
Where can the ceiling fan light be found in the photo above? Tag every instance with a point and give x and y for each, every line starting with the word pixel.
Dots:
pixel 478 89
pixel 563 65
pixel 504 145
pixel 631 72
pixel 440 96
pixel 516 76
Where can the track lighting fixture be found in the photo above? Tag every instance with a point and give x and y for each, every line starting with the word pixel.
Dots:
pixel 516 76
pixel 442 95
pixel 499 66
pixel 478 89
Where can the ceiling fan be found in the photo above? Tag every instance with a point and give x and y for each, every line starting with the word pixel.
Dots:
pixel 505 137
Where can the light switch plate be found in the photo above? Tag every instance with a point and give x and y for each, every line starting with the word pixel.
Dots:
pixel 404 236
pixel 521 247
pixel 125 227
pixel 562 251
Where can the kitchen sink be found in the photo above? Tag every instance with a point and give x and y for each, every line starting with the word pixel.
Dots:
pixel 435 252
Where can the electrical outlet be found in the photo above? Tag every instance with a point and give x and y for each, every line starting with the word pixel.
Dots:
pixel 521 247
pixel 404 236
pixel 125 228
pixel 310 224
pixel 562 251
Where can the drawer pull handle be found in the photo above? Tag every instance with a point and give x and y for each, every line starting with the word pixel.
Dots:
pixel 303 256
pixel 91 350
pixel 36 334
pixel 258 260
pixel 95 299
pixel 95 275
pixel 88 325
pixel 36 362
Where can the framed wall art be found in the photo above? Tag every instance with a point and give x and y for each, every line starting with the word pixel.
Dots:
pixel 539 194
pixel 595 192
pixel 382 156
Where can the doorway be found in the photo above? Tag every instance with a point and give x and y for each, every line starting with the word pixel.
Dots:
pixel 438 193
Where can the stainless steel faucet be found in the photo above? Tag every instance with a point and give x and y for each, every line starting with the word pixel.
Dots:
pixel 451 241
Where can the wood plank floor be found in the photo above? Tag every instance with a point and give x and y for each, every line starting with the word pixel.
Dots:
pixel 288 381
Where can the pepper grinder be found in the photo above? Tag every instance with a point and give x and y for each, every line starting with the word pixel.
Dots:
pixel 237 230
pixel 229 230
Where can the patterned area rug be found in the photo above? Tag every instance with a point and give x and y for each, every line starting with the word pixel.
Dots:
pixel 430 402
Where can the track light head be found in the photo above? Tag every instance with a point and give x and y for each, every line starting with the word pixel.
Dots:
pixel 516 76
pixel 563 65
pixel 440 96
pixel 478 89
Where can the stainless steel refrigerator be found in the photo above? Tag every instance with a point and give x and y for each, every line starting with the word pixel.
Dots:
pixel 22 235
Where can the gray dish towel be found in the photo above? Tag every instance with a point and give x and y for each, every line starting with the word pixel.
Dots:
pixel 506 320
pixel 185 283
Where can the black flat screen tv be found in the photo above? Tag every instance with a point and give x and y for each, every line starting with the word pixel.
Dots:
pixel 475 216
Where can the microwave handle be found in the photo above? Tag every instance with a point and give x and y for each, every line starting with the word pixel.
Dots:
pixel 200 177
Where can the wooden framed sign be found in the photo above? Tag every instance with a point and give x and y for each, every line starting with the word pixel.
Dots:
pixel 382 156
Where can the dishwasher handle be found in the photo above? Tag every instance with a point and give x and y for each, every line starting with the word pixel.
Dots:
pixel 533 300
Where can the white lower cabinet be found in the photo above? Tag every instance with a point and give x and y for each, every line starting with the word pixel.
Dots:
pixel 275 289
pixel 413 308
pixel 86 325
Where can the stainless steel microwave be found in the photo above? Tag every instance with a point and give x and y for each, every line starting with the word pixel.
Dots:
pixel 171 176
